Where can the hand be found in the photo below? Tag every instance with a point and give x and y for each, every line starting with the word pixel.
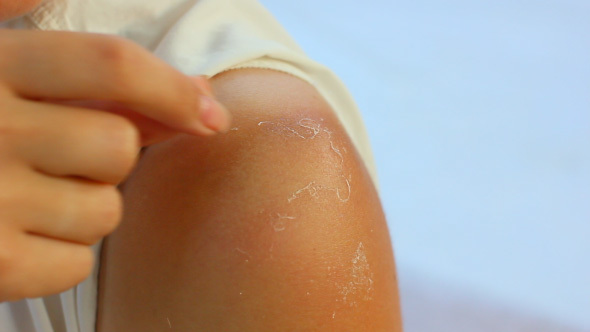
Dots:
pixel 74 110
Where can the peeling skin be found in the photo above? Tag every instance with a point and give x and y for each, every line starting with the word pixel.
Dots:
pixel 337 190
pixel 313 188
pixel 280 224
pixel 309 129
pixel 313 126
pixel 337 152
pixel 361 285
pixel 280 128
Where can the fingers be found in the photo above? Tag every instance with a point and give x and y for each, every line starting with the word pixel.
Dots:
pixel 67 141
pixel 68 209
pixel 66 65
pixel 150 131
pixel 48 266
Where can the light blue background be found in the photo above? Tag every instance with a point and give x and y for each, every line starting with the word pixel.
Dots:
pixel 479 114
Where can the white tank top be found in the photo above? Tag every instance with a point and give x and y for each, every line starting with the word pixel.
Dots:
pixel 198 37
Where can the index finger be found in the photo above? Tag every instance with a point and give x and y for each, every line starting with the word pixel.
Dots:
pixel 74 66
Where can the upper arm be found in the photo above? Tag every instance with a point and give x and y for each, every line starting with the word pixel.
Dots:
pixel 274 226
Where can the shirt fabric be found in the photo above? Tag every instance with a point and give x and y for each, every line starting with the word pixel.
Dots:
pixel 198 37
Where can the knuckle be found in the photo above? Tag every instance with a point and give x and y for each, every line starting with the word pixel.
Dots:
pixel 109 211
pixel 120 140
pixel 124 139
pixel 66 210
pixel 77 266
pixel 84 262
pixel 114 49
pixel 117 56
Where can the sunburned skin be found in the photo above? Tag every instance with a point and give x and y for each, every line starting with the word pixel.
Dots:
pixel 280 223
pixel 360 285
pixel 244 255
pixel 307 129
pixel 228 245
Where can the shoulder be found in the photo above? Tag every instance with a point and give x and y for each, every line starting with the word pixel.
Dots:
pixel 285 226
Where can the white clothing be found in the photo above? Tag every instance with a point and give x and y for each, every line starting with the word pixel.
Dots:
pixel 203 37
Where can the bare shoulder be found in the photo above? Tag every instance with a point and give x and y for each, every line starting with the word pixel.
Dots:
pixel 274 226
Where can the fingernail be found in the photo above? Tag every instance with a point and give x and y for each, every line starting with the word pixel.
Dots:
pixel 213 115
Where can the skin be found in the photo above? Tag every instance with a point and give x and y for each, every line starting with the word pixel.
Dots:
pixel 14 8
pixel 74 110
pixel 202 245
pixel 218 232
